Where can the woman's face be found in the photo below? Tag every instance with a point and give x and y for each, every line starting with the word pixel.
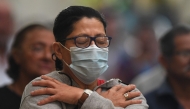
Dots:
pixel 35 53
pixel 87 27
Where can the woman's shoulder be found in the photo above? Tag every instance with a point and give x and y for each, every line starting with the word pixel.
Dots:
pixel 54 74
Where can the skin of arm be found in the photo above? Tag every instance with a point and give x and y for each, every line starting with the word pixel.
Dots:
pixel 58 89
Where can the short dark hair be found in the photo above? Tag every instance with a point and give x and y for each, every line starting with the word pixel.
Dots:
pixel 63 25
pixel 167 45
pixel 13 67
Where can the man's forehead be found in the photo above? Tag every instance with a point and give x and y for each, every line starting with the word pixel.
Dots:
pixel 182 36
pixel 37 37
pixel 182 41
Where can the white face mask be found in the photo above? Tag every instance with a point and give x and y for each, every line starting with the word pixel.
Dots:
pixel 89 63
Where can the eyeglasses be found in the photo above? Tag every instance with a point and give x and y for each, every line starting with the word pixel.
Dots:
pixel 85 41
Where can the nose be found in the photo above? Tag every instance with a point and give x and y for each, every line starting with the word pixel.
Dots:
pixel 48 54
pixel 92 42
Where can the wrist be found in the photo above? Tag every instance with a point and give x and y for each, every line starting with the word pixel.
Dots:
pixel 78 94
pixel 84 96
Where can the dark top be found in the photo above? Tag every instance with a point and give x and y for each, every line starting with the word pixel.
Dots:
pixel 9 99
pixel 163 98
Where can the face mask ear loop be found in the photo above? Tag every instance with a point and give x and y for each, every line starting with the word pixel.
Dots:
pixel 64 47
pixel 65 63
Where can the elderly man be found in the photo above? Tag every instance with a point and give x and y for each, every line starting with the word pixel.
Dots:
pixel 175 58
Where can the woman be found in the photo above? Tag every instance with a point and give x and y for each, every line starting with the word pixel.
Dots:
pixel 82 46
pixel 30 57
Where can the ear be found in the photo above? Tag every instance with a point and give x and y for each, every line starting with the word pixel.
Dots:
pixel 57 50
pixel 163 61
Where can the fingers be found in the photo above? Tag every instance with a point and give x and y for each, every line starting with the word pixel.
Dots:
pixel 43 91
pixel 99 90
pixel 127 88
pixel 132 95
pixel 116 88
pixel 47 100
pixel 129 102
pixel 49 78
pixel 44 83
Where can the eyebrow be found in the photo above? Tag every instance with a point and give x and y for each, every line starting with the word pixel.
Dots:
pixel 39 43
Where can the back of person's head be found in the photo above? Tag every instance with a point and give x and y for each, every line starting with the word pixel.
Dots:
pixel 13 69
pixel 63 25
pixel 167 46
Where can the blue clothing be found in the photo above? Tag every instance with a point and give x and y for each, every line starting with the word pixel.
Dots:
pixel 163 98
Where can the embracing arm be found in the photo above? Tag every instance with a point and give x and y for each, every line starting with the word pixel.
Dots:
pixel 30 102
pixel 111 99
pixel 135 99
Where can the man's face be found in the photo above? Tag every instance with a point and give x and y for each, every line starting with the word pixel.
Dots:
pixel 35 54
pixel 179 64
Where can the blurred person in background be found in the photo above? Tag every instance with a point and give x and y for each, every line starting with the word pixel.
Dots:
pixel 6 32
pixel 81 55
pixel 144 81
pixel 30 57
pixel 173 93
pixel 139 54
pixel 155 74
